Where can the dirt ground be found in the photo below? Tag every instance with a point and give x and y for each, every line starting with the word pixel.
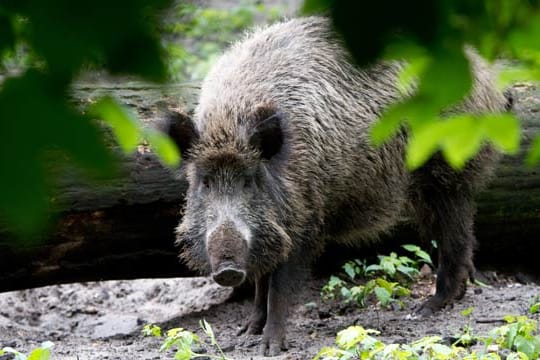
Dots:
pixel 103 320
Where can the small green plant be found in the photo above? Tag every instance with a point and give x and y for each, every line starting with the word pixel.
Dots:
pixel 386 281
pixel 185 341
pixel 355 342
pixel 41 353
pixel 466 338
pixel 401 268
pixel 535 305
pixel 518 339
pixel 519 334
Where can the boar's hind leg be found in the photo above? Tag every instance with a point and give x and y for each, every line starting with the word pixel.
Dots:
pixel 447 216
pixel 256 322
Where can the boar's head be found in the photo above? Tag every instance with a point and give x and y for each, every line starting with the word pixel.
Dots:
pixel 232 223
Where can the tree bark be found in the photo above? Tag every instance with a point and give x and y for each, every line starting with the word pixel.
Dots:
pixel 124 228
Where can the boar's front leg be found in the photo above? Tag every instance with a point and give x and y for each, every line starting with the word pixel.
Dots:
pixel 256 322
pixel 281 285
pixel 447 216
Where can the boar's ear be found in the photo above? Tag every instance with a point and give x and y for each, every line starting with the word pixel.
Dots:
pixel 181 129
pixel 267 135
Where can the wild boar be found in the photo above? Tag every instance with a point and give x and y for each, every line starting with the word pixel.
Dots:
pixel 279 163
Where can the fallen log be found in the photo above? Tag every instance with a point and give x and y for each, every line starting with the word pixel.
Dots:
pixel 124 228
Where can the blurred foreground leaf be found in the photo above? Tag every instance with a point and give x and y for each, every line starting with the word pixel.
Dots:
pixel 124 125
pixel 41 130
pixel 164 147
pixel 459 137
pixel 431 36
pixel 130 133
pixel 534 155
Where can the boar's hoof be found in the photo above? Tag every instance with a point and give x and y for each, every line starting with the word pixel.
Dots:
pixel 229 275
pixel 272 347
pixel 254 326
pixel 431 306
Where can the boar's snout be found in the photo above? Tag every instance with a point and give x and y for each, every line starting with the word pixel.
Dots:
pixel 228 253
pixel 229 274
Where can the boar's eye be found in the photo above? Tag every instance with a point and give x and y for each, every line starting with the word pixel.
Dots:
pixel 248 183
pixel 205 182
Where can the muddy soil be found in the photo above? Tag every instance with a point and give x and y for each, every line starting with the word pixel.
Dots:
pixel 103 320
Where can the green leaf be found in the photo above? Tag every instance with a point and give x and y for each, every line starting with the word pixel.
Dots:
pixel 124 125
pixel 345 293
pixel 461 140
pixel 183 353
pixel 422 145
pixel 373 267
pixel 77 33
pixel 164 147
pixel 533 157
pixel 408 271
pixel 461 136
pixel 328 353
pixel 348 338
pixel 151 330
pixel 441 349
pixel 502 130
pixel 413 112
pixel 174 332
pixel 388 266
pixel 387 126
pixel 526 346
pixel 409 74
pixel 511 335
pixel 383 295
pixel 521 73
pixel 18 355
pixel 468 311
pixel 534 308
pixel 425 341
pixel 446 64
pixel 39 354
pixel 411 248
pixel 400 291
pixel 47 133
pixel 349 270
pixel 424 256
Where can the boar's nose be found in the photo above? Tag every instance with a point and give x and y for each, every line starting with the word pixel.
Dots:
pixel 228 253
pixel 229 274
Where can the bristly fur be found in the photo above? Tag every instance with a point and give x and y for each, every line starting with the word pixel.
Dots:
pixel 327 183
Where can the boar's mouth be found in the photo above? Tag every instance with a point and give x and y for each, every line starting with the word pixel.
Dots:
pixel 228 253
pixel 229 274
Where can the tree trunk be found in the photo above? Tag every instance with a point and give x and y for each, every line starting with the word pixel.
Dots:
pixel 124 228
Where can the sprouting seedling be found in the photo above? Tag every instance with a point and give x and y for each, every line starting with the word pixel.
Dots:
pixel 205 326
pixel 185 341
pixel 535 305
pixel 466 338
pixel 41 353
